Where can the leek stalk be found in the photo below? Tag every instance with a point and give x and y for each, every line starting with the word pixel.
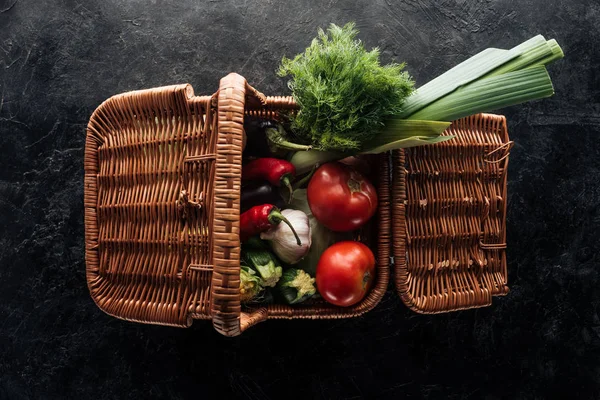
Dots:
pixel 490 94
pixel 492 79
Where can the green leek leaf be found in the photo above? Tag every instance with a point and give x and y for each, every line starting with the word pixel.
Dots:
pixel 489 61
pixel 465 72
pixel 490 94
pixel 396 129
pixel 532 55
pixel 557 54
pixel 398 133
pixel 408 142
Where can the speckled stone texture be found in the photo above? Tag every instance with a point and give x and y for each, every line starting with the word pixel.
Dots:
pixel 60 59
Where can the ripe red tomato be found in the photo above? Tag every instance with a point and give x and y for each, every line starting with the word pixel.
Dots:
pixel 345 273
pixel 341 198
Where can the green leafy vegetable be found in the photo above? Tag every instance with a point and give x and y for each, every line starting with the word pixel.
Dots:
pixel 488 63
pixel 465 72
pixel 343 92
pixel 491 79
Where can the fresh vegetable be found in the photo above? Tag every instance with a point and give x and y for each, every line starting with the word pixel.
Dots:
pixel 322 237
pixel 256 193
pixel 398 133
pixel 277 172
pixel 341 198
pixel 265 266
pixel 285 242
pixel 345 273
pixel 295 286
pixel 260 259
pixel 343 92
pixel 260 219
pixel 250 284
pixel 492 79
pixel 351 105
pixel 490 94
pixel 468 88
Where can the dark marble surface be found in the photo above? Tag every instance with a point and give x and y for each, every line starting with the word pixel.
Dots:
pixel 60 59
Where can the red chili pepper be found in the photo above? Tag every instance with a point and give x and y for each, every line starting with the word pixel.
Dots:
pixel 277 172
pixel 260 219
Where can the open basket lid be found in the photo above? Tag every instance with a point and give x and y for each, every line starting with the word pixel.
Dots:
pixel 162 170
pixel 449 217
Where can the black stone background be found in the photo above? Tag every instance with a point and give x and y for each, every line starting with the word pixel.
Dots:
pixel 60 59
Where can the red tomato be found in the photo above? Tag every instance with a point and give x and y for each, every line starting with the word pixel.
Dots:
pixel 341 198
pixel 345 273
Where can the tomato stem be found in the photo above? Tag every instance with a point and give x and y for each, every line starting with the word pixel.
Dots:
pixel 354 185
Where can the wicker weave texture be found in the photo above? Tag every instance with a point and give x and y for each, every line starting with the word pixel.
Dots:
pixel 149 166
pixel 162 189
pixel 450 251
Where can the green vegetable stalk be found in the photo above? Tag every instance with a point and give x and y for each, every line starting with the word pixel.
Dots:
pixel 398 133
pixel 295 286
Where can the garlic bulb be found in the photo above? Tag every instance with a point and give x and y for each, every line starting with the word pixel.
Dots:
pixel 282 239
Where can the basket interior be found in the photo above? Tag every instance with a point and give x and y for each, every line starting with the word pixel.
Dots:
pixel 374 234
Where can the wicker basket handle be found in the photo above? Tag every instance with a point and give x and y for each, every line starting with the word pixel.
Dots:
pixel 234 97
pixel 254 98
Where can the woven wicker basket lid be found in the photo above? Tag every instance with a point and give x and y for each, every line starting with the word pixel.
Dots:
pixel 162 183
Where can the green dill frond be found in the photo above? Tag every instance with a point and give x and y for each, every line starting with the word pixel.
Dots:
pixel 343 92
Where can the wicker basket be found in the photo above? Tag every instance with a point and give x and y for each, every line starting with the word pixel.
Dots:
pixel 162 183
pixel 449 218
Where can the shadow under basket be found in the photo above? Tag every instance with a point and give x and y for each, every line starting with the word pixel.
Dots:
pixel 162 200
